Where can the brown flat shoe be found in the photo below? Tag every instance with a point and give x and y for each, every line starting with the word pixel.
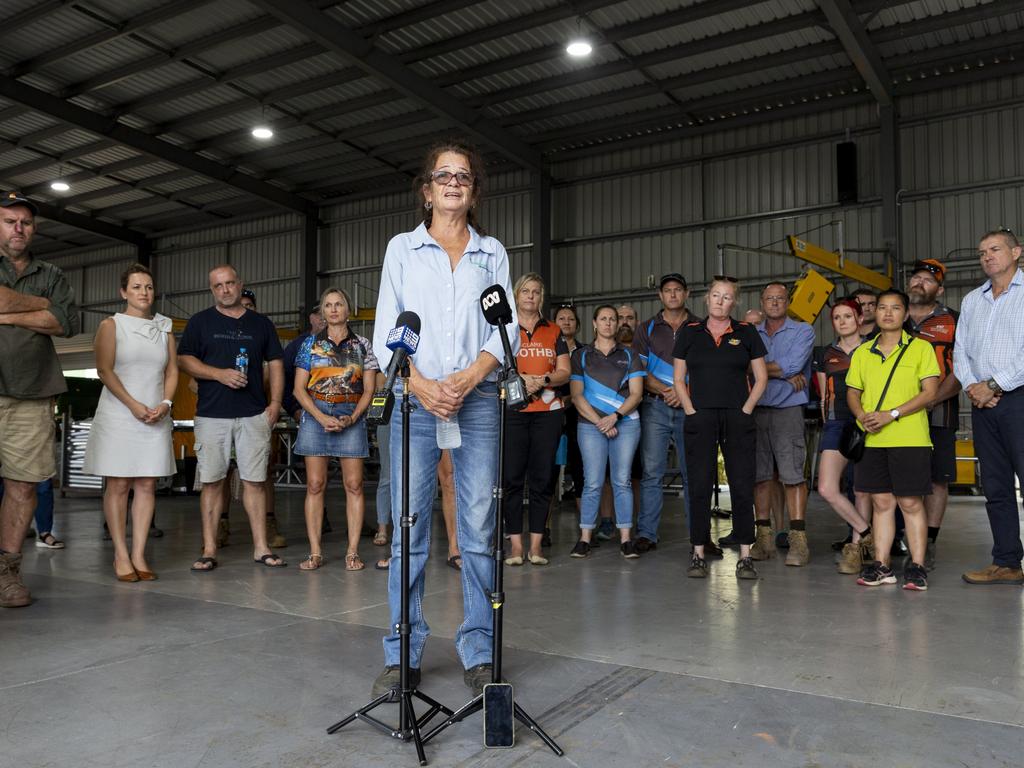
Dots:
pixel 146 575
pixel 131 577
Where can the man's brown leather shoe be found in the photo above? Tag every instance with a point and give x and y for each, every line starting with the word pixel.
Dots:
pixel 995 574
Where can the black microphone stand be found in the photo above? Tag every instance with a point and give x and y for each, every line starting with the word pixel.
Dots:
pixel 408 725
pixel 497 595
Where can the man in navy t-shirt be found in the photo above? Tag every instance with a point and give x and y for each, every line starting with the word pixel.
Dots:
pixel 233 413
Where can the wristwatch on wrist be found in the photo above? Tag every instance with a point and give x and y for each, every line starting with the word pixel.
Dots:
pixel 895 413
pixel 547 380
pixel 619 416
pixel 994 386
pixel 168 403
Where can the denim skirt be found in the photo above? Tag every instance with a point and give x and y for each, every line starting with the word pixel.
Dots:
pixel 314 440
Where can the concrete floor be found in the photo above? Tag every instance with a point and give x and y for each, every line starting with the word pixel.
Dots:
pixel 621 662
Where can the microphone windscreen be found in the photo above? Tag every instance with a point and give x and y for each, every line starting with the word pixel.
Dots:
pixel 495 306
pixel 409 319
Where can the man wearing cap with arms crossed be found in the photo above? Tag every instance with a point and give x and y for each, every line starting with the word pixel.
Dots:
pixel 36 302
pixel 988 360
pixel 934 322
pixel 661 413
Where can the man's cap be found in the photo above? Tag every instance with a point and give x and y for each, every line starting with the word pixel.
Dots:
pixel 934 266
pixel 248 293
pixel 15 198
pixel 672 276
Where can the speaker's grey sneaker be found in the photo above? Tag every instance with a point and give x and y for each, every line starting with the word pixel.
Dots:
pixel 390 681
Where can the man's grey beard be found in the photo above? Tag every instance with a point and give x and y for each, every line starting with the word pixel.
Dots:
pixel 920 298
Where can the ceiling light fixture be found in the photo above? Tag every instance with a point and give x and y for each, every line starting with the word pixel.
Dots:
pixel 579 46
pixel 59 184
pixel 263 131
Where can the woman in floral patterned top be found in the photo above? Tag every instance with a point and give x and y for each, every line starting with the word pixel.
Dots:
pixel 335 373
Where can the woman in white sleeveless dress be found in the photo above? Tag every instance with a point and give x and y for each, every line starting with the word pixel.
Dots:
pixel 130 440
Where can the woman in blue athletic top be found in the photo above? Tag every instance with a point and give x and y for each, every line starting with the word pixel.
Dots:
pixel 607 385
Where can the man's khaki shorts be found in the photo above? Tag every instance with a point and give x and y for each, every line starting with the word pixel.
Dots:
pixel 250 437
pixel 26 439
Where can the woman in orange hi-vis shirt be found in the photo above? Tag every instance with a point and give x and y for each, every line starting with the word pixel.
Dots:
pixel 532 434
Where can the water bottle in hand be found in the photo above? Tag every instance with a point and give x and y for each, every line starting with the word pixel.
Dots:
pixel 242 362
pixel 448 433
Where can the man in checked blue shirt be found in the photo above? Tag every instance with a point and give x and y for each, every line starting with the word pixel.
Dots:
pixel 780 424
pixel 439 271
pixel 988 360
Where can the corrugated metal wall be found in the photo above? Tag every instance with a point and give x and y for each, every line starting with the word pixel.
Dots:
pixel 620 217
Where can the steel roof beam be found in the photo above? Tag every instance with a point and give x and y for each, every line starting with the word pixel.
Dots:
pixel 686 80
pixel 352 47
pixel 83 118
pixel 89 224
pixel 847 26
pixel 32 14
pixel 117 31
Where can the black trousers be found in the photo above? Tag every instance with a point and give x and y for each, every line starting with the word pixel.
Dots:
pixel 531 440
pixel 574 459
pixel 999 442
pixel 736 433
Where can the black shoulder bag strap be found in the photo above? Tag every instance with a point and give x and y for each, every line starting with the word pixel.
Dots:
pixel 888 381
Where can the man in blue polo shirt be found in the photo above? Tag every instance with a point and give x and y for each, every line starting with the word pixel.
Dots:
pixel 780 424
pixel 661 413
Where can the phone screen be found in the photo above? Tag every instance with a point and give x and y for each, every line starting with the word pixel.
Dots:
pixel 499 719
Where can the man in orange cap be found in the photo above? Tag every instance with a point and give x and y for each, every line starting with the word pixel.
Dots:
pixel 931 320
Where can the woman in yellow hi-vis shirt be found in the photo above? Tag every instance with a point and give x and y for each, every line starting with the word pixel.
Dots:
pixel 896 376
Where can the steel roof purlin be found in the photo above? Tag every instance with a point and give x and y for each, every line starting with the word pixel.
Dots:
pixel 353 48
pixel 101 126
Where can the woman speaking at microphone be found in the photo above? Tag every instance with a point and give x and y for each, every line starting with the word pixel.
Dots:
pixel 439 271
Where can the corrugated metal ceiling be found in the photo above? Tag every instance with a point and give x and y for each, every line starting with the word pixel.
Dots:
pixel 199 79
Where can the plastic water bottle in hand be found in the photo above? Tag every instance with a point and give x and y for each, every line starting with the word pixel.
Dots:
pixel 242 362
pixel 448 433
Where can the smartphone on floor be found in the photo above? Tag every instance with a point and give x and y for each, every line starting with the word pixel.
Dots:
pixel 499 716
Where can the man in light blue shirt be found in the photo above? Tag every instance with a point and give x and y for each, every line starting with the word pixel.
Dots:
pixel 779 415
pixel 988 360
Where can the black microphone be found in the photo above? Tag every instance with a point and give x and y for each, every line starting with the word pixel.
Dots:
pixel 403 340
pixel 497 311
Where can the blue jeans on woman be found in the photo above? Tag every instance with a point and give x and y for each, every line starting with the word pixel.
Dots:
pixel 598 450
pixel 44 506
pixel 476 469
pixel 384 482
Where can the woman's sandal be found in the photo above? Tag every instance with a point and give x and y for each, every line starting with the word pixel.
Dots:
pixel 380 538
pixel 353 562
pixel 311 563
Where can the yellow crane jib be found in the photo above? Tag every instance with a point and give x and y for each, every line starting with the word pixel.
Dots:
pixel 833 262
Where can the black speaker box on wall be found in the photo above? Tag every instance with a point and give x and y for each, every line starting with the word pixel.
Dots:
pixel 846 172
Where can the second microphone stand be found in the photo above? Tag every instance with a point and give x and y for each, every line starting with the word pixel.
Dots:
pixel 408 725
pixel 497 593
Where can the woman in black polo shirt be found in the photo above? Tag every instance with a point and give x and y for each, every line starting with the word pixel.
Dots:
pixel 607 385
pixel 712 358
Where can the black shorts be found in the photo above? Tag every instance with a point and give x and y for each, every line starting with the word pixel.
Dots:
pixel 943 454
pixel 899 471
